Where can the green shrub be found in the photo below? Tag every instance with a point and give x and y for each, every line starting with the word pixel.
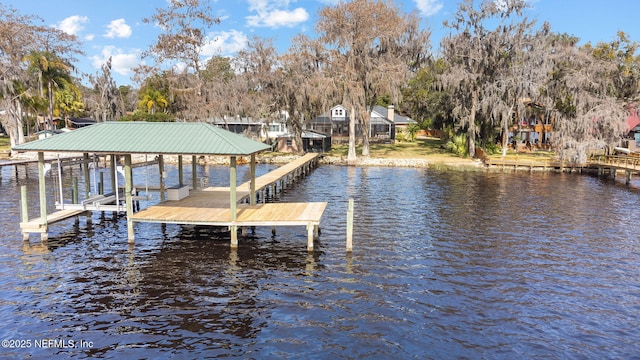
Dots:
pixel 492 148
pixel 457 144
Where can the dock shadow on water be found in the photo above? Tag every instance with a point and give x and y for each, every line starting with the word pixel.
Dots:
pixel 445 265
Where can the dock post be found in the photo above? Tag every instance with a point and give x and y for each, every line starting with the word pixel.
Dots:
pixel 233 201
pixel 194 173
pixel 628 179
pixel 101 184
pixel 310 232
pixel 87 175
pixel 128 188
pixel 180 175
pixel 350 226
pixel 24 214
pixel 43 192
pixel 252 185
pixel 161 168
pixel 114 173
pixel 74 191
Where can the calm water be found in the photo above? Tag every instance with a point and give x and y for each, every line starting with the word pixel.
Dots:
pixel 446 265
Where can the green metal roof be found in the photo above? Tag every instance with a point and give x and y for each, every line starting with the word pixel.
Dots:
pixel 148 138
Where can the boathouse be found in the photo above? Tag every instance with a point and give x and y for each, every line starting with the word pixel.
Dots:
pixel 185 204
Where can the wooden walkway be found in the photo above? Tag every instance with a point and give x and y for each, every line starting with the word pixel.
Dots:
pixel 619 162
pixel 531 165
pixel 603 164
pixel 38 225
pixel 66 161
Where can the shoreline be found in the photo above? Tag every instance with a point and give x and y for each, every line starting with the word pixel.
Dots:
pixel 436 162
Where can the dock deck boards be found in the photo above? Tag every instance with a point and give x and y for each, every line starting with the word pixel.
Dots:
pixel 183 212
pixel 210 206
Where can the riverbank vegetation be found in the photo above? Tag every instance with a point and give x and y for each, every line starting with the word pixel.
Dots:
pixel 497 71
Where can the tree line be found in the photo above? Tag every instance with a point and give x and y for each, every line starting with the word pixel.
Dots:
pixel 486 73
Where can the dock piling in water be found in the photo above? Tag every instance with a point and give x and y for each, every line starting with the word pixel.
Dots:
pixel 350 225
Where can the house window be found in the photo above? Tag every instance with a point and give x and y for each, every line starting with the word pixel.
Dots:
pixel 274 127
pixel 288 142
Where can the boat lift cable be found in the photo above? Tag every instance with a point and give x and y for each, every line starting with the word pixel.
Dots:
pixel 146 181
pixel 60 182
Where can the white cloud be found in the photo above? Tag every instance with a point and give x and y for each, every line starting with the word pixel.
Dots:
pixel 224 43
pixel 121 63
pixel 73 24
pixel 428 7
pixel 274 14
pixel 118 28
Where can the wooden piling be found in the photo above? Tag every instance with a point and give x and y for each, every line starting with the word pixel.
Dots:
pixel 74 194
pixel 350 226
pixel 162 177
pixel 128 188
pixel 310 233
pixel 194 172
pixel 42 189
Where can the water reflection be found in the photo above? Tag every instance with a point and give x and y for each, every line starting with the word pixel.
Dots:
pixel 445 265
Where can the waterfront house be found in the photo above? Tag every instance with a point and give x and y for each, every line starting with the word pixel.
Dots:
pixel 335 123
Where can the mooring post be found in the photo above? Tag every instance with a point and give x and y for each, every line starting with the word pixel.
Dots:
pixel 233 200
pixel 162 177
pixel 114 173
pixel 87 175
pixel 74 190
pixel 128 188
pixel 310 232
pixel 350 226
pixel 101 184
pixel 252 184
pixel 194 173
pixel 42 190
pixel 180 175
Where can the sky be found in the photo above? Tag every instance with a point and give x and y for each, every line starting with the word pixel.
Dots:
pixel 114 28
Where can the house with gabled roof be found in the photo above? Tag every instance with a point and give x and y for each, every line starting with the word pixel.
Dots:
pixel 383 124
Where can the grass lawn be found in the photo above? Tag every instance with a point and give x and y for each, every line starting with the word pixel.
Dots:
pixel 532 156
pixel 419 149
pixel 429 148
pixel 4 143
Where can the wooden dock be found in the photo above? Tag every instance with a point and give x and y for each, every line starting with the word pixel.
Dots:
pixel 611 164
pixel 532 165
pixel 39 225
pixel 211 206
pixel 602 164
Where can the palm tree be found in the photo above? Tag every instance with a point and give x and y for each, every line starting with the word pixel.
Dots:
pixel 150 99
pixel 52 72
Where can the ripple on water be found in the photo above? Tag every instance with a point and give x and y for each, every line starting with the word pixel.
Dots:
pixel 445 265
